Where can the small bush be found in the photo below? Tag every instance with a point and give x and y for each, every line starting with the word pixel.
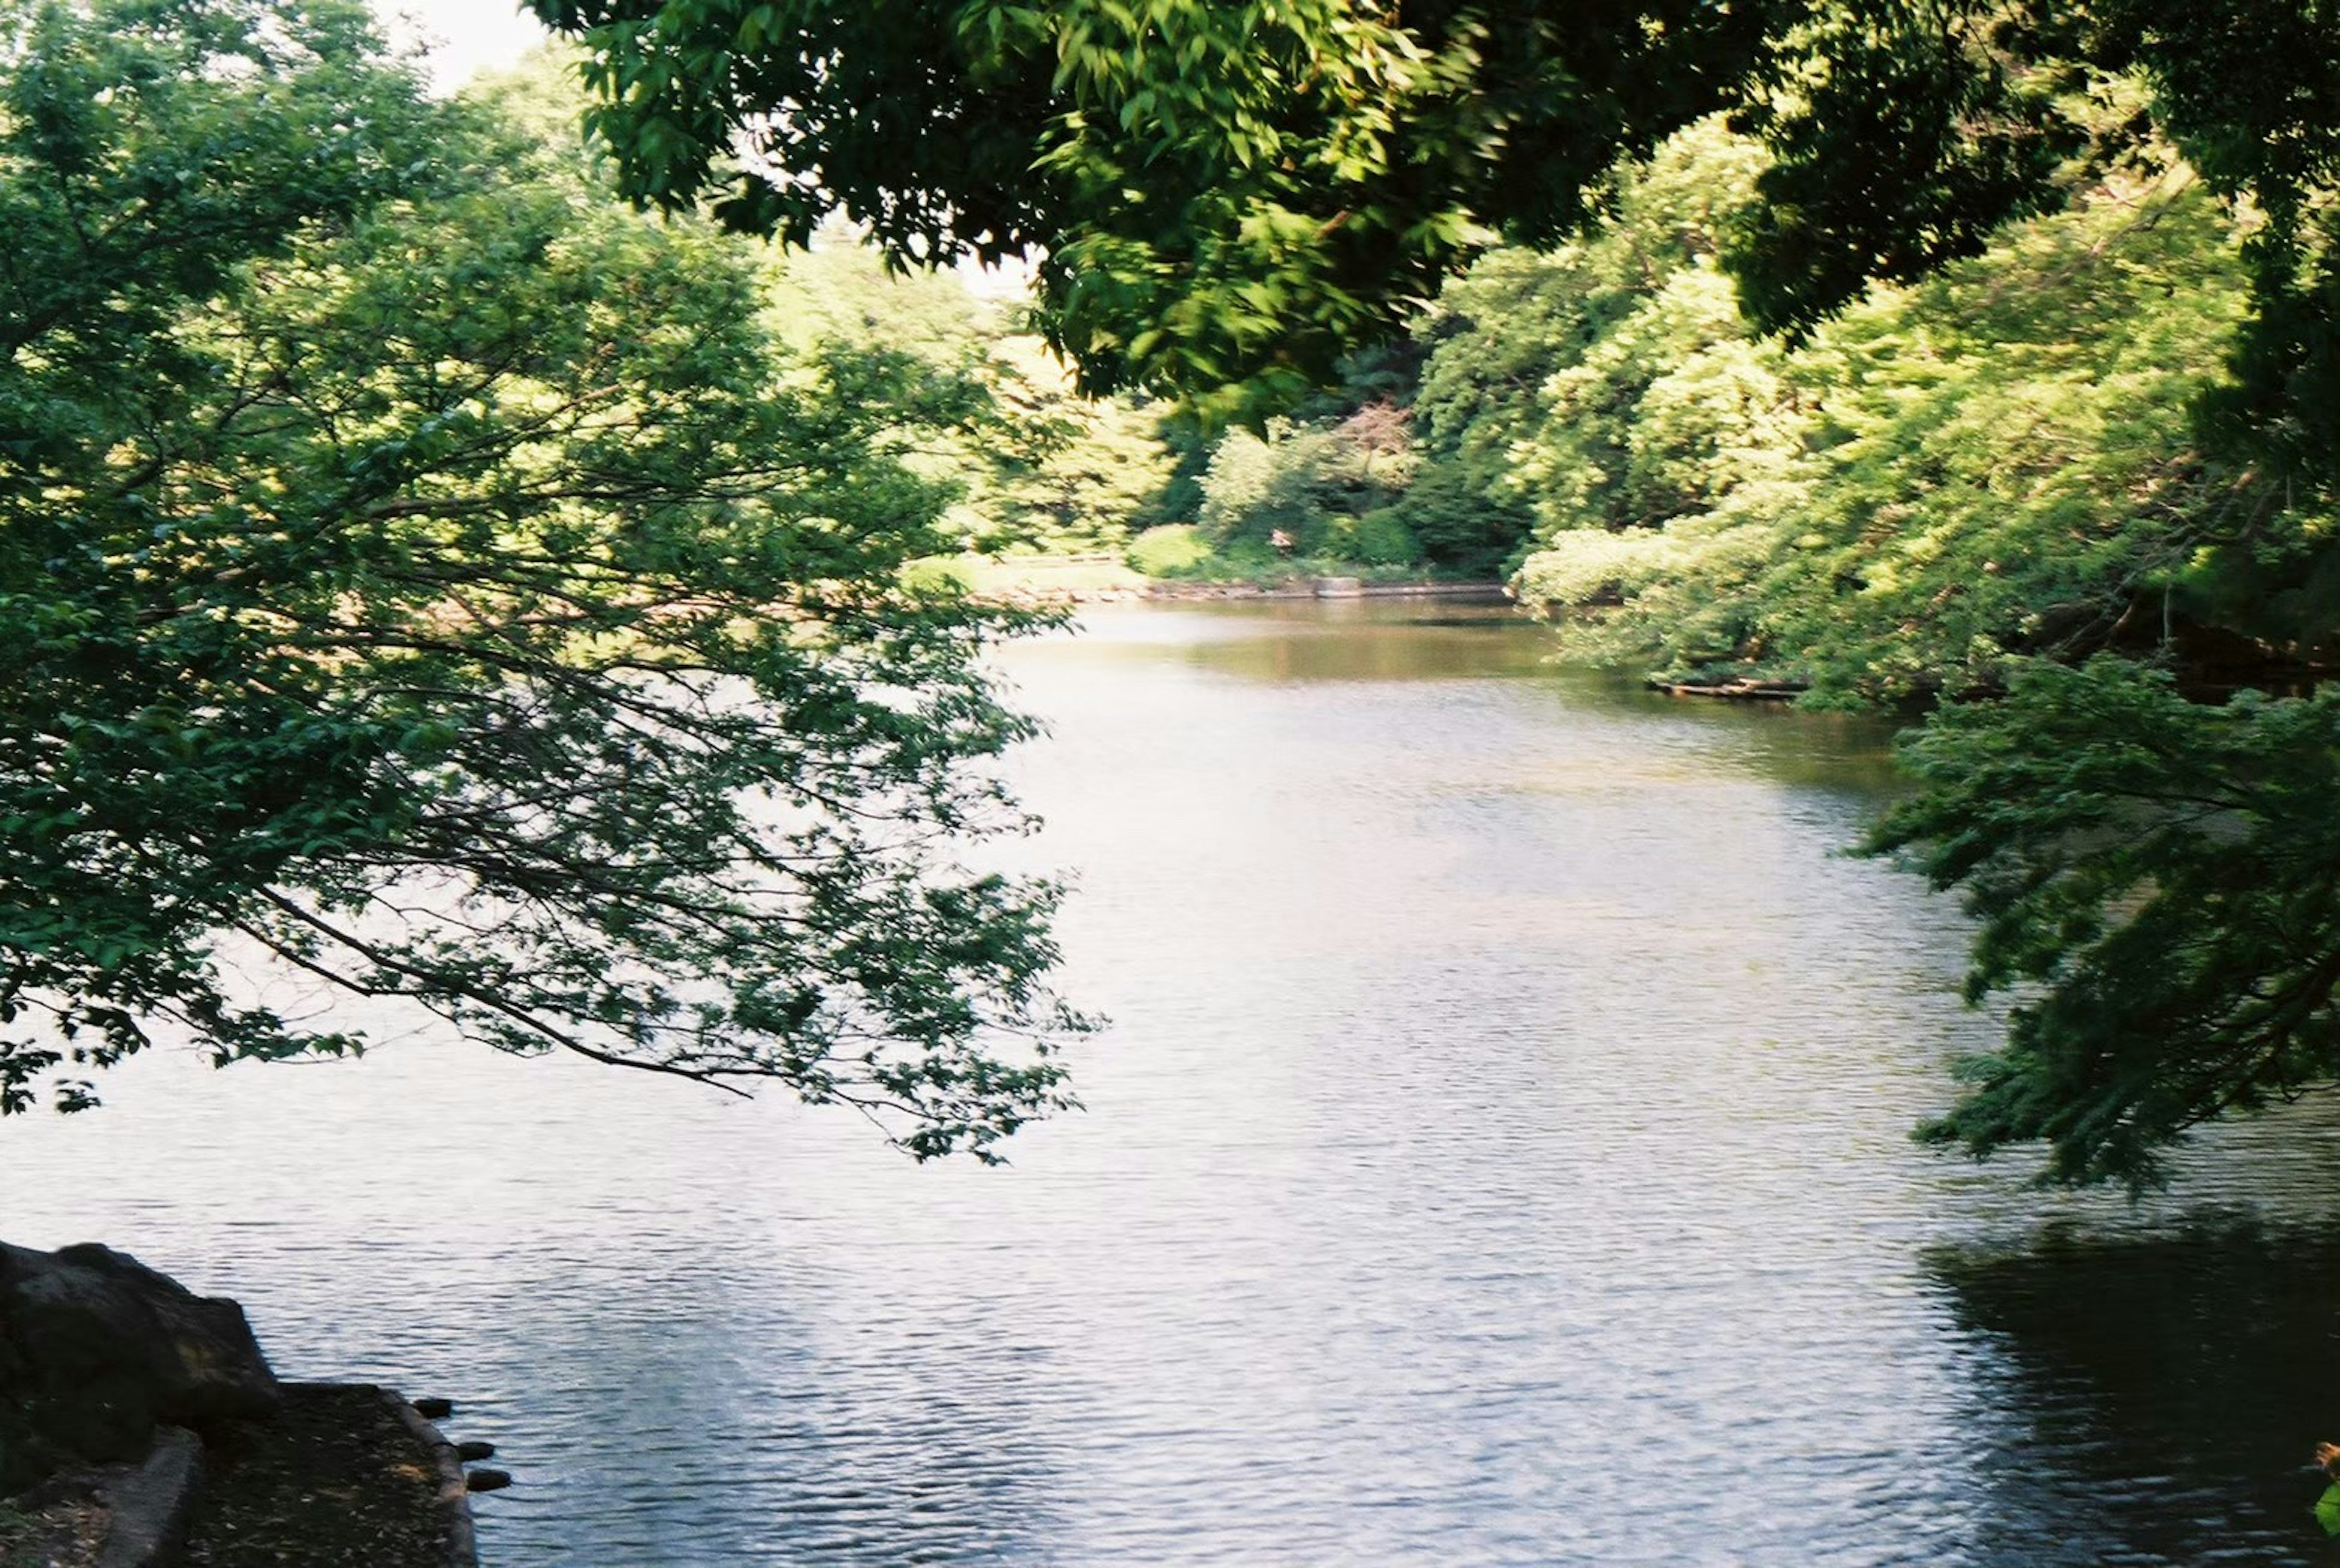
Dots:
pixel 936 572
pixel 1172 550
pixel 1379 538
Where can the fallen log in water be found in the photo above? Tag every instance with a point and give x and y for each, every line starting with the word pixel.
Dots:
pixel 1745 691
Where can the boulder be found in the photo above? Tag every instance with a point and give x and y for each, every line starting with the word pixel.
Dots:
pixel 96 1350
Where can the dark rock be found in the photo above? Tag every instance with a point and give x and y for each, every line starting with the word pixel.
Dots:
pixel 434 1409
pixel 486 1480
pixel 96 1350
pixel 468 1452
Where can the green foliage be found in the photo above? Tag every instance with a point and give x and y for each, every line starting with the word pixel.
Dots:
pixel 1105 471
pixel 1537 369
pixel 469 597
pixel 1461 522
pixel 1228 195
pixel 1311 485
pixel 1378 538
pixel 1060 473
pixel 1999 463
pixel 1903 134
pixel 2158 883
pixel 2017 473
pixel 840 290
pixel 1170 549
pixel 135 183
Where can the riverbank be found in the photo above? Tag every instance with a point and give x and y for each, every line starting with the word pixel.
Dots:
pixel 140 1425
pixel 342 1474
pixel 338 1474
pixel 1102 579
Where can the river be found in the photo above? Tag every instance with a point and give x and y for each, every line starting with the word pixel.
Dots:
pixel 1499 1157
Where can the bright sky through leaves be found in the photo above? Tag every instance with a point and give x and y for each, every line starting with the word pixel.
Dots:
pixel 465 35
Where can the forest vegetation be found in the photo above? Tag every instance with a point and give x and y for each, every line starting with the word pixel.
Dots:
pixel 366 461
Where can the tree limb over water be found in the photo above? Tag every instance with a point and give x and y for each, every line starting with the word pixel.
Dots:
pixel 420 570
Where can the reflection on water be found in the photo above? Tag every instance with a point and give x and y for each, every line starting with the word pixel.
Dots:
pixel 2159 1395
pixel 1499 1157
pixel 1381 639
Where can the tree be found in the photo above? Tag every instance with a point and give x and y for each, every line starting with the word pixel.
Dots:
pixel 1582 387
pixel 423 574
pixel 1225 196
pixel 2156 877
pixel 2153 875
pixel 1323 487
pixel 1228 194
pixel 1995 463
pixel 1232 195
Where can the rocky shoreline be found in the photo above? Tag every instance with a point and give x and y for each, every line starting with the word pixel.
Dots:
pixel 342 1475
pixel 141 1427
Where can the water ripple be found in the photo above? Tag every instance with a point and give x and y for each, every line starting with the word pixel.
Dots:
pixel 1500 1158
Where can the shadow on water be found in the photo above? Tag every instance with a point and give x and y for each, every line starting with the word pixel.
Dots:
pixel 2158 1397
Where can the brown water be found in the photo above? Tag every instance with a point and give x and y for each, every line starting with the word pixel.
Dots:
pixel 1499 1158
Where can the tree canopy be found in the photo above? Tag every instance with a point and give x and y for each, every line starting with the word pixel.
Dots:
pixel 1228 196
pixel 1225 196
pixel 2156 877
pixel 424 574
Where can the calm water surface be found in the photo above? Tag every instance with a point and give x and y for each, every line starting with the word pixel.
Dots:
pixel 1499 1158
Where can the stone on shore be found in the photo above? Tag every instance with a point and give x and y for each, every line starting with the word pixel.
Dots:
pixel 97 1351
pixel 146 1506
